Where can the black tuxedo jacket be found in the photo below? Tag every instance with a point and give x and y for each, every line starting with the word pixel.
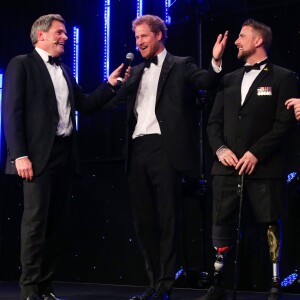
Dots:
pixel 261 125
pixel 30 114
pixel 175 107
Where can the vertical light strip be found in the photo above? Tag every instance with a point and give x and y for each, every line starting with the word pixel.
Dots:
pixel 106 49
pixel 139 12
pixel 76 62
pixel 167 17
pixel 1 85
pixel 76 53
pixel 139 8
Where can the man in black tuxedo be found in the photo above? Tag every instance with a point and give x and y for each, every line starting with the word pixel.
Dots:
pixel 247 129
pixel 40 97
pixel 161 144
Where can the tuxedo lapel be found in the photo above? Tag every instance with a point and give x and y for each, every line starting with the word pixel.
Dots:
pixel 46 79
pixel 253 88
pixel 133 83
pixel 166 68
pixel 237 92
pixel 71 95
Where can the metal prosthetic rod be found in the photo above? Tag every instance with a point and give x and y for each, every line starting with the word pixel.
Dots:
pixel 274 242
pixel 219 264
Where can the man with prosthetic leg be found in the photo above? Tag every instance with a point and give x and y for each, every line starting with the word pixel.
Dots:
pixel 247 129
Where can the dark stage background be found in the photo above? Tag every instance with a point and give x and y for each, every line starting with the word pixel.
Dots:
pixel 102 247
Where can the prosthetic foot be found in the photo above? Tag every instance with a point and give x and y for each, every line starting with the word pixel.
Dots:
pixel 217 291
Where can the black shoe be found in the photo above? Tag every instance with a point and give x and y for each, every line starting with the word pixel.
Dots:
pixel 274 294
pixel 214 293
pixel 33 297
pixel 49 296
pixel 146 296
pixel 161 296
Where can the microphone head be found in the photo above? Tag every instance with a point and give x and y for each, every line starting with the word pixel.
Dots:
pixel 130 56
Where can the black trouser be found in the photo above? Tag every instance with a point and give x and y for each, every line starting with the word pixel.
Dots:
pixel 154 188
pixel 43 223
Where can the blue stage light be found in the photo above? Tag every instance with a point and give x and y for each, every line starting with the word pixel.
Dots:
pixel 167 16
pixel 106 35
pixel 178 273
pixel 1 85
pixel 76 53
pixel 76 62
pixel 291 176
pixel 139 12
pixel 139 8
pixel 289 280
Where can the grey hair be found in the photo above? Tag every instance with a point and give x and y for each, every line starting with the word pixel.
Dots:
pixel 43 23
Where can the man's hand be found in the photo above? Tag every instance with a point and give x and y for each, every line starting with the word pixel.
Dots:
pixel 247 163
pixel 219 48
pixel 227 157
pixel 24 168
pixel 112 79
pixel 296 103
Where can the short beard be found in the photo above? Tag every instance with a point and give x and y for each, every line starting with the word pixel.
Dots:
pixel 241 56
pixel 244 55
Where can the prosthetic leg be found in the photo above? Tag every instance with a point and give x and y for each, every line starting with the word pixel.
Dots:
pixel 273 235
pixel 219 265
pixel 217 291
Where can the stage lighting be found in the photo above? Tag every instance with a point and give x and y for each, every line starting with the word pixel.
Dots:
pixel 291 176
pixel 289 280
pixel 76 63
pixel 106 33
pixel 1 84
pixel 291 283
pixel 178 273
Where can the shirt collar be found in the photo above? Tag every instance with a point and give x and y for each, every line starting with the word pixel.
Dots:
pixel 44 54
pixel 161 57
pixel 247 64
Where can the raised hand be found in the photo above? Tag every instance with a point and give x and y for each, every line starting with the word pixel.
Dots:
pixel 219 48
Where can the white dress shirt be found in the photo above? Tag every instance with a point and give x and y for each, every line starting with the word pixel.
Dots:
pixel 248 79
pixel 64 127
pixel 145 103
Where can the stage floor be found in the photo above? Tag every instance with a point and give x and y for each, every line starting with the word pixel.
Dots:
pixel 89 291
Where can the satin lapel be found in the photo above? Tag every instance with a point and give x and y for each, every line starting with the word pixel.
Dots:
pixel 70 87
pixel 46 79
pixel 133 84
pixel 253 88
pixel 166 68
pixel 238 77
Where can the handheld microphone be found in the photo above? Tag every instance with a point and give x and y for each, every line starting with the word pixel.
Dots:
pixel 129 59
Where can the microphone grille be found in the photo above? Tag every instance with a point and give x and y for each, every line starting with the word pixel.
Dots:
pixel 130 56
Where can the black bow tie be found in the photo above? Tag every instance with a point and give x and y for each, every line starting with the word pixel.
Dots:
pixel 54 60
pixel 152 60
pixel 255 66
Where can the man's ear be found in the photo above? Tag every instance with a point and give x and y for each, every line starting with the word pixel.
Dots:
pixel 159 36
pixel 258 42
pixel 40 35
